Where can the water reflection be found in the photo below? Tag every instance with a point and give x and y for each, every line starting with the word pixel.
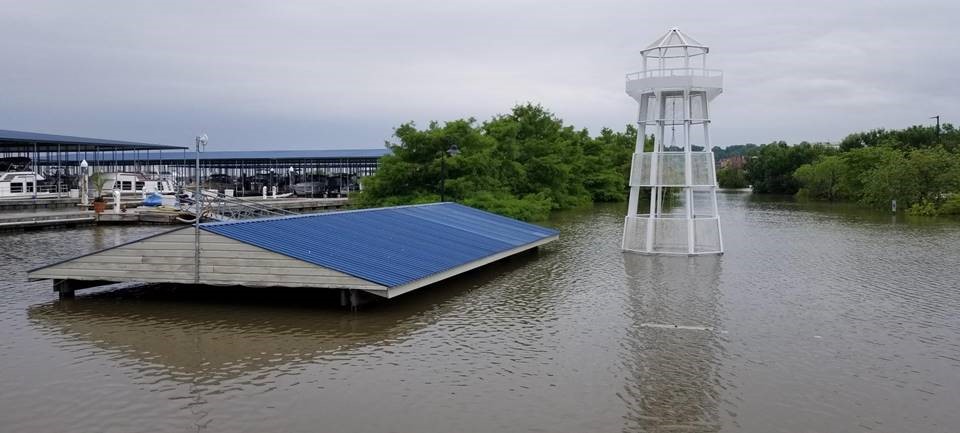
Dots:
pixel 220 333
pixel 673 347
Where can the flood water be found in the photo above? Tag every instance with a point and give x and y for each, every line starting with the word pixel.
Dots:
pixel 818 319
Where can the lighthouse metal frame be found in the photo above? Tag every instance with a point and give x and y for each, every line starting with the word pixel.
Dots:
pixel 683 218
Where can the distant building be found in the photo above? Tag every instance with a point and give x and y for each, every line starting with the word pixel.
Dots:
pixel 736 162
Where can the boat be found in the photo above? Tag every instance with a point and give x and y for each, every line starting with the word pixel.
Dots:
pixel 25 185
pixel 314 185
pixel 135 183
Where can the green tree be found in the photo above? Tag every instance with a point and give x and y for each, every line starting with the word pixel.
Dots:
pixel 731 178
pixel 521 164
pixel 770 168
pixel 824 179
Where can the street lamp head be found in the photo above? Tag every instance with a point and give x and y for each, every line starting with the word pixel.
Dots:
pixel 202 140
pixel 453 150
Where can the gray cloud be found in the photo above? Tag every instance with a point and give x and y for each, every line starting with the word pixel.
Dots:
pixel 307 74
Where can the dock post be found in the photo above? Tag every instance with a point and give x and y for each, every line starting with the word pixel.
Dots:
pixel 354 300
pixel 343 297
pixel 64 289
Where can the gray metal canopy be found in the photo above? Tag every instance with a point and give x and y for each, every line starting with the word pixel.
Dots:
pixel 17 141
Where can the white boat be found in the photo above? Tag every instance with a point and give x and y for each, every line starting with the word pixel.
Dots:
pixel 135 183
pixel 24 185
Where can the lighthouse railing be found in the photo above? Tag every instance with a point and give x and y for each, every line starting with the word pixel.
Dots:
pixel 675 72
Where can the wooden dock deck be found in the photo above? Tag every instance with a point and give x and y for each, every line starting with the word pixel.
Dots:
pixel 45 218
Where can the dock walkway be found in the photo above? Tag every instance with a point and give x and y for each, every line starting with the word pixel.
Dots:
pixel 44 218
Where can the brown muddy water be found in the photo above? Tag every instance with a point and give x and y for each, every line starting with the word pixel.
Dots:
pixel 818 319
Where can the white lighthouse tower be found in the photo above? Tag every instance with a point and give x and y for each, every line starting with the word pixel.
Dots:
pixel 674 90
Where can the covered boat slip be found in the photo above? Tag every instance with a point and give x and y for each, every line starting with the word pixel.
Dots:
pixel 384 251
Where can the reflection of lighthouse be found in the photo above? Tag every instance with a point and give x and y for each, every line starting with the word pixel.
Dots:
pixel 674 351
pixel 674 89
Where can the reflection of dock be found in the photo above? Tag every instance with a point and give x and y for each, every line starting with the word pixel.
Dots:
pixel 222 333
pixel 196 339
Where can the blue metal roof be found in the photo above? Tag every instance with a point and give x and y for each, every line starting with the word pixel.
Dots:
pixel 388 246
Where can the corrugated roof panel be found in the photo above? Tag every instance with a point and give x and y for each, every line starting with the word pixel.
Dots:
pixel 7 135
pixel 388 246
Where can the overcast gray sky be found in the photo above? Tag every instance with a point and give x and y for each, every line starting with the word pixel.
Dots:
pixel 314 74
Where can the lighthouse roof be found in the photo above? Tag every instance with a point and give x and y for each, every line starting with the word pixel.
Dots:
pixel 672 44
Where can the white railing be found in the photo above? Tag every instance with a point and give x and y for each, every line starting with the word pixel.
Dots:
pixel 675 72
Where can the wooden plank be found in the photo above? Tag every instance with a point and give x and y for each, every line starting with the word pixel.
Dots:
pixel 262 254
pixel 205 259
pixel 143 279
pixel 97 258
pixel 133 268
pixel 285 278
pixel 315 271
pixel 111 275
pixel 307 284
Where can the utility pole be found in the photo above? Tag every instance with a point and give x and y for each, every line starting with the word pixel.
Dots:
pixel 201 143
pixel 938 127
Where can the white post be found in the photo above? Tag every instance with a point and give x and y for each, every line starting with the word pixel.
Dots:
pixel 264 192
pixel 116 201
pixel 84 186
pixel 274 191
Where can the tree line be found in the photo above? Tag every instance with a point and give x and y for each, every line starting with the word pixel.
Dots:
pixel 919 167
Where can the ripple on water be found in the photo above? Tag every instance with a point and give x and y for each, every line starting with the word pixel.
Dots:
pixel 816 319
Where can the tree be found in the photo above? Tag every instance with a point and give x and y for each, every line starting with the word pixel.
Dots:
pixel 731 178
pixel 770 168
pixel 522 164
pixel 823 179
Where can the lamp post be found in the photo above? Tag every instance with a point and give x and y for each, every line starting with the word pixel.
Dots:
pixel 83 186
pixel 291 178
pixel 201 143
pixel 452 151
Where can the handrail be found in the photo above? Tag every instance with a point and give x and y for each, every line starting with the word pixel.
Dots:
pixel 675 72
pixel 225 208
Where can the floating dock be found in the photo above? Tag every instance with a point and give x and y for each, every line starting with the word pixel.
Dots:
pixel 383 251
pixel 31 219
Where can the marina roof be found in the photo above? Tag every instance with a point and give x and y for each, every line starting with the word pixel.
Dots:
pixel 248 155
pixel 24 141
pixel 292 154
pixel 389 246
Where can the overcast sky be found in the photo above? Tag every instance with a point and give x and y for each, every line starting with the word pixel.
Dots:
pixel 324 74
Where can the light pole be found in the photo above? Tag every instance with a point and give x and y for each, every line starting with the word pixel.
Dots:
pixel 83 186
pixel 452 151
pixel 201 143
pixel 291 179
